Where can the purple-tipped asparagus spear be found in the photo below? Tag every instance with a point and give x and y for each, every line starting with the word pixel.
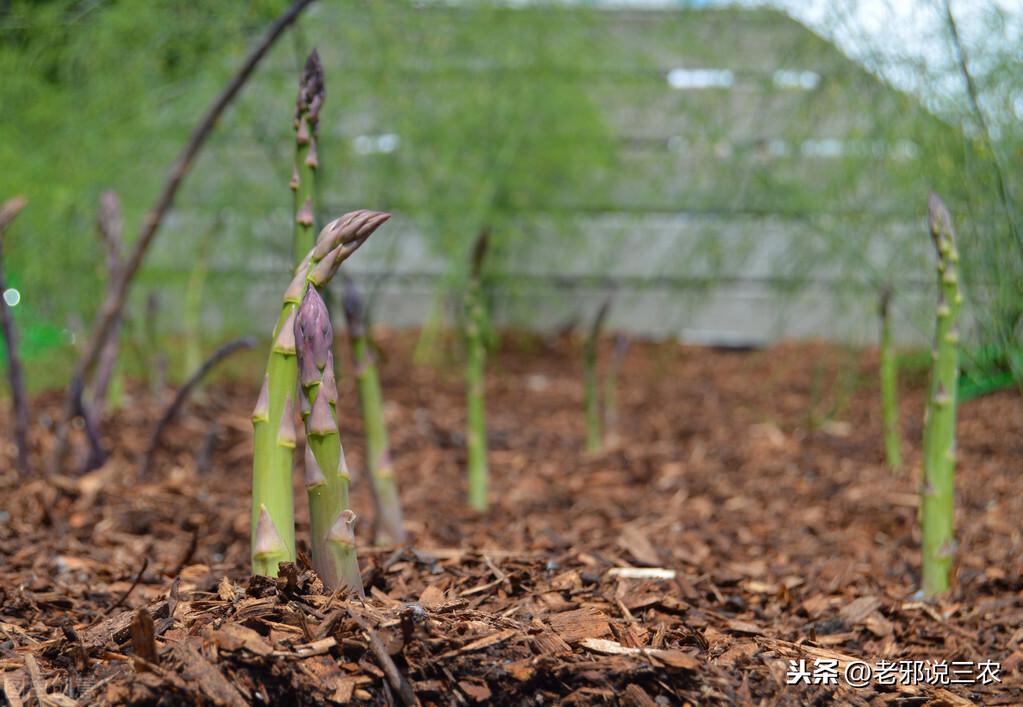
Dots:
pixel 331 521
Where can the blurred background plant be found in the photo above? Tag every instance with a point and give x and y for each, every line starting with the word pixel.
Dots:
pixel 734 175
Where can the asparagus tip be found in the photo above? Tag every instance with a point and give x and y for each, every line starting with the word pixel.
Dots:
pixel 313 331
pixel 312 89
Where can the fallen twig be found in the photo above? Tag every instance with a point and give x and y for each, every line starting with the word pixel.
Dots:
pixel 394 677
pixel 114 304
pixel 135 583
pixel 10 209
pixel 246 342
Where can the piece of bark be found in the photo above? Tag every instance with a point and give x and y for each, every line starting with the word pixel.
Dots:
pixel 206 677
pixel 143 638
pixel 574 626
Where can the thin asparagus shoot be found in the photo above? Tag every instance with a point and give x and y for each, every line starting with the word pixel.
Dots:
pixel 476 426
pixel 611 431
pixel 939 447
pixel 889 386
pixel 330 518
pixel 388 528
pixel 594 440
pixel 311 94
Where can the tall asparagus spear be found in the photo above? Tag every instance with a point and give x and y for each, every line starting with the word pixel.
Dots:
pixel 938 493
pixel 388 527
pixel 592 393
pixel 889 386
pixel 311 94
pixel 273 520
pixel 476 426
pixel 331 520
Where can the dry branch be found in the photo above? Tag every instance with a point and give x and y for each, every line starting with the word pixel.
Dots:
pixel 112 306
pixel 246 342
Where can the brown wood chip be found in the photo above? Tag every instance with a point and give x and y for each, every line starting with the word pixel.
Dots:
pixel 573 626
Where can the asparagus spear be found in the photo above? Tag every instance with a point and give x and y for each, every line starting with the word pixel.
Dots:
pixel 311 94
pixel 331 520
pixel 388 527
pixel 273 520
pixel 889 386
pixel 592 394
pixel 938 493
pixel 476 432
pixel 611 390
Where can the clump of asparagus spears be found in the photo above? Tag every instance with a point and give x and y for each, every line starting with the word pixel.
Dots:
pixel 388 527
pixel 939 446
pixel 273 519
pixel 476 350
pixel 889 386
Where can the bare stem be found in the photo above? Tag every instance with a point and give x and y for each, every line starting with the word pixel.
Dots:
pixel 156 439
pixel 10 209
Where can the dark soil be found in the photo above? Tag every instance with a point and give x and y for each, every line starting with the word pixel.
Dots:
pixel 757 478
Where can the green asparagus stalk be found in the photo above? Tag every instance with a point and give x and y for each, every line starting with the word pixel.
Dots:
pixel 311 94
pixel 330 518
pixel 476 426
pixel 594 439
pixel 388 528
pixel 938 493
pixel 889 386
pixel 273 520
pixel 611 433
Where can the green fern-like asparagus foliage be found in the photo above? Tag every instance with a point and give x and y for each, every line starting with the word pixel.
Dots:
pixel 331 520
pixel 273 518
pixel 939 452
pixel 388 525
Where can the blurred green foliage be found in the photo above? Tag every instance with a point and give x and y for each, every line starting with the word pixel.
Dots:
pixel 550 124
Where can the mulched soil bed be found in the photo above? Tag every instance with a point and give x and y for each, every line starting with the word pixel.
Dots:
pixel 756 478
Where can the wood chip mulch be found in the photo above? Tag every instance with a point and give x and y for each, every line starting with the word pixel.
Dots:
pixel 744 520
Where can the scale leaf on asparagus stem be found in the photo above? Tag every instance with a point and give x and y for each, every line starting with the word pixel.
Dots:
pixel 273 417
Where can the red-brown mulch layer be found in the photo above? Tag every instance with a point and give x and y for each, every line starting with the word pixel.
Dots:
pixel 754 481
